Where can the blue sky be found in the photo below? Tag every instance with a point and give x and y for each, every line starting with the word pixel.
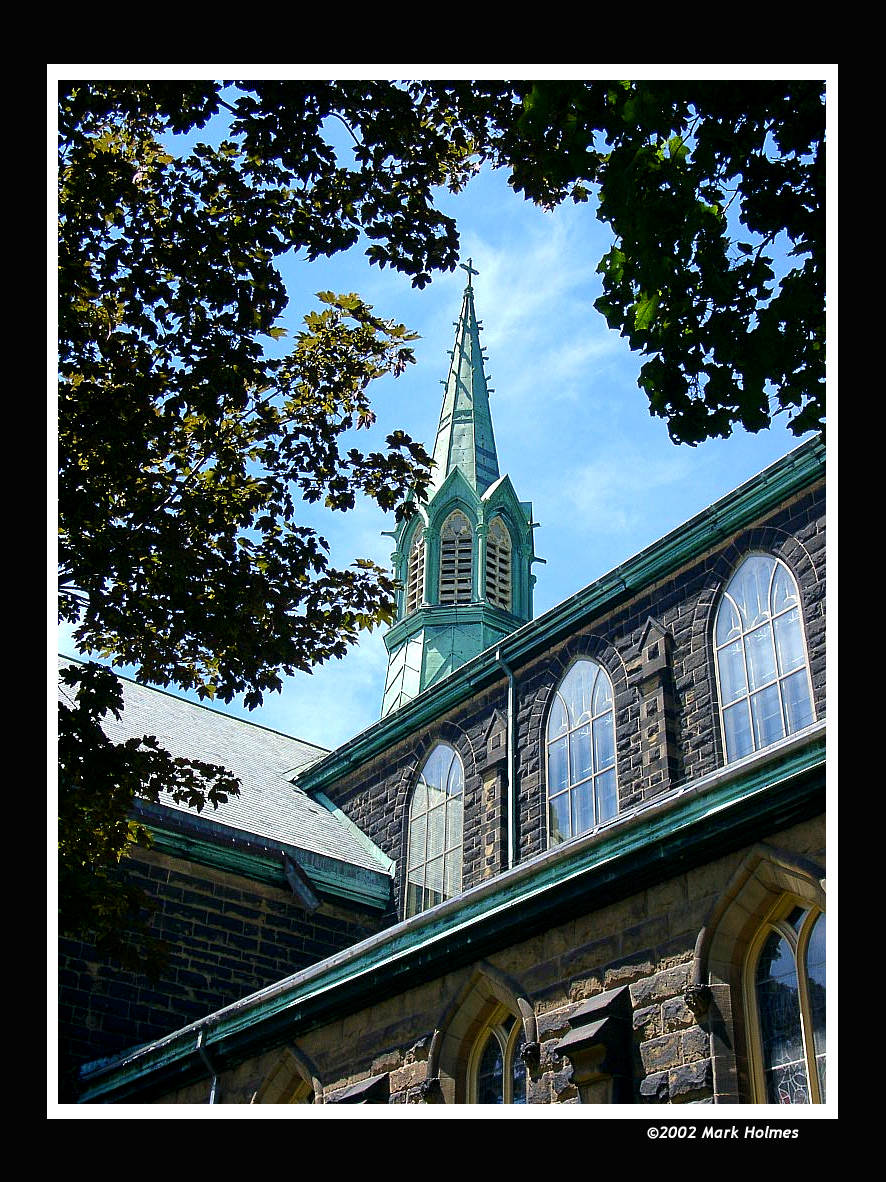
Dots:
pixel 573 430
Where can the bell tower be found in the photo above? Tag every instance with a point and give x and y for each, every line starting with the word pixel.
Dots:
pixel 464 560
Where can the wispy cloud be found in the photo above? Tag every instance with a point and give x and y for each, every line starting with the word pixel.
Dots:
pixel 337 700
pixel 615 493
pixel 535 294
pixel 573 430
pixel 526 277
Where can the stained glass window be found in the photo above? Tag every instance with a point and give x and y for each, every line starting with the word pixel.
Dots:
pixel 500 1072
pixel 762 669
pixel 582 789
pixel 789 991
pixel 434 858
pixel 490 1074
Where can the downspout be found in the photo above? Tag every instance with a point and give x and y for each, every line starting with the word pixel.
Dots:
pixel 511 760
pixel 213 1084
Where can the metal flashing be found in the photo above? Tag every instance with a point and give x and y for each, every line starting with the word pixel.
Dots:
pixel 387 864
pixel 694 823
pixel 791 474
pixel 374 1090
pixel 223 847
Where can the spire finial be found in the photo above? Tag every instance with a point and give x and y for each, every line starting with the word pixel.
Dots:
pixel 470 270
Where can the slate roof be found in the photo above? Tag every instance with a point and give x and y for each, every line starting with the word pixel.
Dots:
pixel 268 806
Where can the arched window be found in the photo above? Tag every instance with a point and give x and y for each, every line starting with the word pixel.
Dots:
pixel 456 559
pixel 433 870
pixel 478 1057
pixel 762 668
pixel 497 1073
pixel 761 956
pixel 582 790
pixel 415 574
pixel 498 565
pixel 292 1079
pixel 786 981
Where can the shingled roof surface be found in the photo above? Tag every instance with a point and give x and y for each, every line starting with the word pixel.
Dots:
pixel 268 806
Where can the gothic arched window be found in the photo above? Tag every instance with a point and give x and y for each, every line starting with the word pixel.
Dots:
pixel 415 574
pixel 786 978
pixel 760 649
pixel 582 790
pixel 456 559
pixel 498 565
pixel 292 1079
pixel 496 1072
pixel 434 858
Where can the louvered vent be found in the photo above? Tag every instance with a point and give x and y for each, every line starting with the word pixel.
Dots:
pixel 456 559
pixel 498 565
pixel 415 576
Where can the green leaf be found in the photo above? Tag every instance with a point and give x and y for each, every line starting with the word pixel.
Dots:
pixel 645 310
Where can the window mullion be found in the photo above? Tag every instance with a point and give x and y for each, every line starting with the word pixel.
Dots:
pixel 806 1026
pixel 506 1092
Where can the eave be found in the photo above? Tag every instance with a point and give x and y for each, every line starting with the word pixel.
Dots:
pixel 750 501
pixel 223 847
pixel 666 836
pixel 442 615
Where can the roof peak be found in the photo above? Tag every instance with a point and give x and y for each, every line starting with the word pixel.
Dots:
pixel 470 270
pixel 465 437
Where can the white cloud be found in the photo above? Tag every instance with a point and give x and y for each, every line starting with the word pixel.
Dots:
pixel 336 701
pixel 614 493
pixel 524 284
pixel 573 430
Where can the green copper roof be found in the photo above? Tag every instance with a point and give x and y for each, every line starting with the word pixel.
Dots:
pixel 438 629
pixel 690 825
pixel 799 469
pixel 464 437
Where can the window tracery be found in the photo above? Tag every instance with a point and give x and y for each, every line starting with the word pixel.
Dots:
pixel 786 977
pixel 434 848
pixel 581 779
pixel 497 1072
pixel 760 652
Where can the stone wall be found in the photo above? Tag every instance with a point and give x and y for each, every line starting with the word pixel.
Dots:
pixel 227 936
pixel 656 648
pixel 231 937
pixel 639 949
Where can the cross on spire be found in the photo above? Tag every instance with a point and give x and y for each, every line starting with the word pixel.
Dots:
pixel 470 270
pixel 442 624
pixel 465 438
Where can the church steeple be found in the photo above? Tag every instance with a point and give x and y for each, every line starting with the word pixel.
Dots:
pixel 464 560
pixel 465 439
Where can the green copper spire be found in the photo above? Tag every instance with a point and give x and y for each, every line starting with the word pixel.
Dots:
pixel 464 560
pixel 465 439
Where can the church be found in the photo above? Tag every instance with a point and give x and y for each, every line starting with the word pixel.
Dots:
pixel 579 858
